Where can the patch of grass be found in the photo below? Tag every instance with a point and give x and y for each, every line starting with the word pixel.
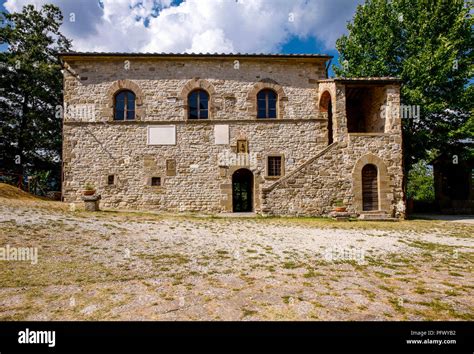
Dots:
pixel 311 274
pixel 382 275
pixel 420 290
pixel 397 305
pixel 438 307
pixel 387 288
pixel 291 265
pixel 246 312
pixel 452 292
pixel 456 274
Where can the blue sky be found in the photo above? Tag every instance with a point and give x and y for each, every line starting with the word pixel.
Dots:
pixel 224 26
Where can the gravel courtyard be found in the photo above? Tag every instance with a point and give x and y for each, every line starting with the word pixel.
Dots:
pixel 144 266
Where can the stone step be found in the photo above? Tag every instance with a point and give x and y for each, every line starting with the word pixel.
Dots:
pixel 376 216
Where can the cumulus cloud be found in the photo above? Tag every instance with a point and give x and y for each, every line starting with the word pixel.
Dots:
pixel 224 26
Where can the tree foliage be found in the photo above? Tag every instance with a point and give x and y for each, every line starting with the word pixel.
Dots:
pixel 31 86
pixel 420 182
pixel 428 44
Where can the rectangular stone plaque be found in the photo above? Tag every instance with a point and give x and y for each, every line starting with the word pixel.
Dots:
pixel 162 135
pixel 221 134
pixel 171 167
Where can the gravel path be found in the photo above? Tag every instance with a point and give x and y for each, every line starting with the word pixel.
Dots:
pixel 151 267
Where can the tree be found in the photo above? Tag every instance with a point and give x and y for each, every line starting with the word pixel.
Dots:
pixel 420 183
pixel 428 44
pixel 31 86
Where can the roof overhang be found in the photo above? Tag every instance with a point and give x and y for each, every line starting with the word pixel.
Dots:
pixel 364 80
pixel 66 56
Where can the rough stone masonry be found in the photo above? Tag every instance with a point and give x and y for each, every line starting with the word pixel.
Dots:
pixel 332 141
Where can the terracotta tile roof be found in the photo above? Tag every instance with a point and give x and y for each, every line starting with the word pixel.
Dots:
pixel 194 55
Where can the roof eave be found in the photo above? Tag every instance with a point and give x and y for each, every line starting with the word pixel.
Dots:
pixel 363 80
pixel 93 55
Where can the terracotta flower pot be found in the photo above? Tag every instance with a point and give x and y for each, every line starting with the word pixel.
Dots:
pixel 340 209
pixel 89 192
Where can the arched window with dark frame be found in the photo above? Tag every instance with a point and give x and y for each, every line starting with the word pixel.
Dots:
pixel 198 104
pixel 266 104
pixel 124 105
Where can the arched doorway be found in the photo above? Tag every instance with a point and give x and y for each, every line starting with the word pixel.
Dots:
pixel 370 194
pixel 325 106
pixel 242 191
pixel 330 138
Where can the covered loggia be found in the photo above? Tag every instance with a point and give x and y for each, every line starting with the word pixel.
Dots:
pixel 365 108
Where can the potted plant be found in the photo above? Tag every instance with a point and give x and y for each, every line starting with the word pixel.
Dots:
pixel 89 189
pixel 339 206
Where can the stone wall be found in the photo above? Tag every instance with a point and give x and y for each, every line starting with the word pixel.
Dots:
pixel 96 147
pixel 335 173
pixel 316 172
pixel 94 151
pixel 163 84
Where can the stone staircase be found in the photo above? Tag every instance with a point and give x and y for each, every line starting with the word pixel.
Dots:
pixel 375 216
pixel 299 168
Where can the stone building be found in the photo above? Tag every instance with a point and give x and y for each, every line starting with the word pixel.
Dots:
pixel 230 133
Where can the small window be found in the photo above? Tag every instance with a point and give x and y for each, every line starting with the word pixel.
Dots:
pixel 274 166
pixel 266 104
pixel 110 180
pixel 124 106
pixel 156 181
pixel 242 146
pixel 198 105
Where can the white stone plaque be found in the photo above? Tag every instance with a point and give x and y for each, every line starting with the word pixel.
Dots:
pixel 161 135
pixel 221 134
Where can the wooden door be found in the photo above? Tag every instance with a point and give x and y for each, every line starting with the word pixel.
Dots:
pixel 370 195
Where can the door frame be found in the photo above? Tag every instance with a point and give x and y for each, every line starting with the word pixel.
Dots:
pixel 377 194
pixel 383 183
pixel 251 192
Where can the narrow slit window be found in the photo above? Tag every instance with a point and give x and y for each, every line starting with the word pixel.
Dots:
pixel 110 180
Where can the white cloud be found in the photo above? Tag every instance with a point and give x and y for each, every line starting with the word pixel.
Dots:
pixel 198 25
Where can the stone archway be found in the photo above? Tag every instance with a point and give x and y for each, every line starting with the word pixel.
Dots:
pixel 195 84
pixel 370 193
pixel 242 191
pixel 377 183
pixel 266 84
pixel 120 85
pixel 325 107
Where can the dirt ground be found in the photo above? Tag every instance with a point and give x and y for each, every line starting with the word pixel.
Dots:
pixel 143 266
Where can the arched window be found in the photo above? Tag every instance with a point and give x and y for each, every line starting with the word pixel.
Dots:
pixel 198 105
pixel 124 105
pixel 266 104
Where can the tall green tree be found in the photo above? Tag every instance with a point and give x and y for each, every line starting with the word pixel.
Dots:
pixel 429 45
pixel 31 90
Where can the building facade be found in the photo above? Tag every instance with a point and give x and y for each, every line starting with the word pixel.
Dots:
pixel 230 133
